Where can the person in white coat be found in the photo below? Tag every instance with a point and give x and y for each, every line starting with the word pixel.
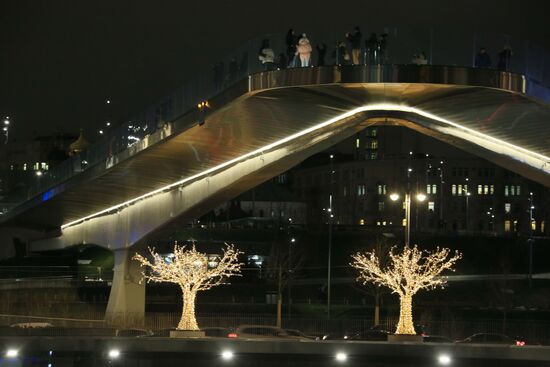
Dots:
pixel 303 49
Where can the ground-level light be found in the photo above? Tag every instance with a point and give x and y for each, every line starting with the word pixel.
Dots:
pixel 341 357
pixel 444 359
pixel 114 353
pixel 12 353
pixel 227 355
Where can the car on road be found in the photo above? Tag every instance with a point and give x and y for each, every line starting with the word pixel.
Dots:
pixel 133 332
pixel 262 332
pixel 375 333
pixel 216 332
pixel 298 333
pixel 492 338
pixel 436 339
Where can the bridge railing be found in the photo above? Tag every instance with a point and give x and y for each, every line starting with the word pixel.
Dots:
pixel 440 46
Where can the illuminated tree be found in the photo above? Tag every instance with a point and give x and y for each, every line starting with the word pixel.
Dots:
pixel 192 271
pixel 407 273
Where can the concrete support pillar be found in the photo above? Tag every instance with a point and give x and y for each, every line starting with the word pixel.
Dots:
pixel 126 306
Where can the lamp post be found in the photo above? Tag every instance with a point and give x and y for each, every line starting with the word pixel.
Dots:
pixel 6 128
pixel 330 217
pixel 290 276
pixel 531 240
pixel 467 195
pixel 419 197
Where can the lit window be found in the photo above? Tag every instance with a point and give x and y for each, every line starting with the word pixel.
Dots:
pixel 507 226
pixel 24 166
pixel 373 132
pixel 507 208
pixel 377 223
pixel 361 222
pixel 357 143
pixel 361 190
pixel 486 190
pixel 434 189
pixel 506 192
pixel 431 189
pixel 517 190
pixel 381 189
pixel 459 191
pixel 380 206
pixel 512 190
pixel 453 189
pixel 373 144
pixel 492 189
pixel 479 189
pixel 384 223
pixel 542 225
pixel 533 225
pixel 431 206
pixel 404 222
pixel 515 226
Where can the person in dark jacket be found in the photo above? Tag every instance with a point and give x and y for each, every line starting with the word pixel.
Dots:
pixel 483 60
pixel 373 49
pixel 291 41
pixel 504 57
pixel 321 52
pixel 354 39
pixel 340 54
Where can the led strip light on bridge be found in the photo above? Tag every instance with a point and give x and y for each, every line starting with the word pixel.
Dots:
pixel 504 147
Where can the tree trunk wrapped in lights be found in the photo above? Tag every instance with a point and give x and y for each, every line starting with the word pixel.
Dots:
pixel 406 274
pixel 191 271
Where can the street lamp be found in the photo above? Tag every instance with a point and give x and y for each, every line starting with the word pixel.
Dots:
pixel 419 197
pixel 531 239
pixel 330 218
pixel 6 128
pixel 467 194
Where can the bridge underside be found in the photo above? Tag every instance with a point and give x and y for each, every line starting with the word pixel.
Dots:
pixel 264 126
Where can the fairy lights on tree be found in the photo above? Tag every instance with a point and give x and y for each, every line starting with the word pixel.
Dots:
pixel 406 273
pixel 190 270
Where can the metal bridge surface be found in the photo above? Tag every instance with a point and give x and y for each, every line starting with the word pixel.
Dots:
pixel 298 112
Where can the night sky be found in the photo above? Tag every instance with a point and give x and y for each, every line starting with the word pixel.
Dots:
pixel 60 60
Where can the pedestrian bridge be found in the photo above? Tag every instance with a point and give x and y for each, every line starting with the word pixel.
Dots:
pixel 265 124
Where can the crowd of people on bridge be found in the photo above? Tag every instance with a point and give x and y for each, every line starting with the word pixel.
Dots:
pixel 351 50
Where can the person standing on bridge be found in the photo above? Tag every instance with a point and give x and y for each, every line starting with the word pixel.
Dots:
pixel 321 52
pixel 304 51
pixel 483 60
pixel 504 57
pixel 354 39
pixel 291 41
pixel 267 56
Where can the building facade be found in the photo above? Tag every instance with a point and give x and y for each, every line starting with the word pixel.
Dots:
pixel 463 193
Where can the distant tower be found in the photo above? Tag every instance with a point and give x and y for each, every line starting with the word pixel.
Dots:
pixel 78 145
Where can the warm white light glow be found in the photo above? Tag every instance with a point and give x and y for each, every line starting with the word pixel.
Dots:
pixel 12 353
pixel 394 197
pixel 407 272
pixel 536 160
pixel 341 357
pixel 6 122
pixel 227 355
pixel 444 360
pixel 189 270
pixel 114 353
pixel 420 197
